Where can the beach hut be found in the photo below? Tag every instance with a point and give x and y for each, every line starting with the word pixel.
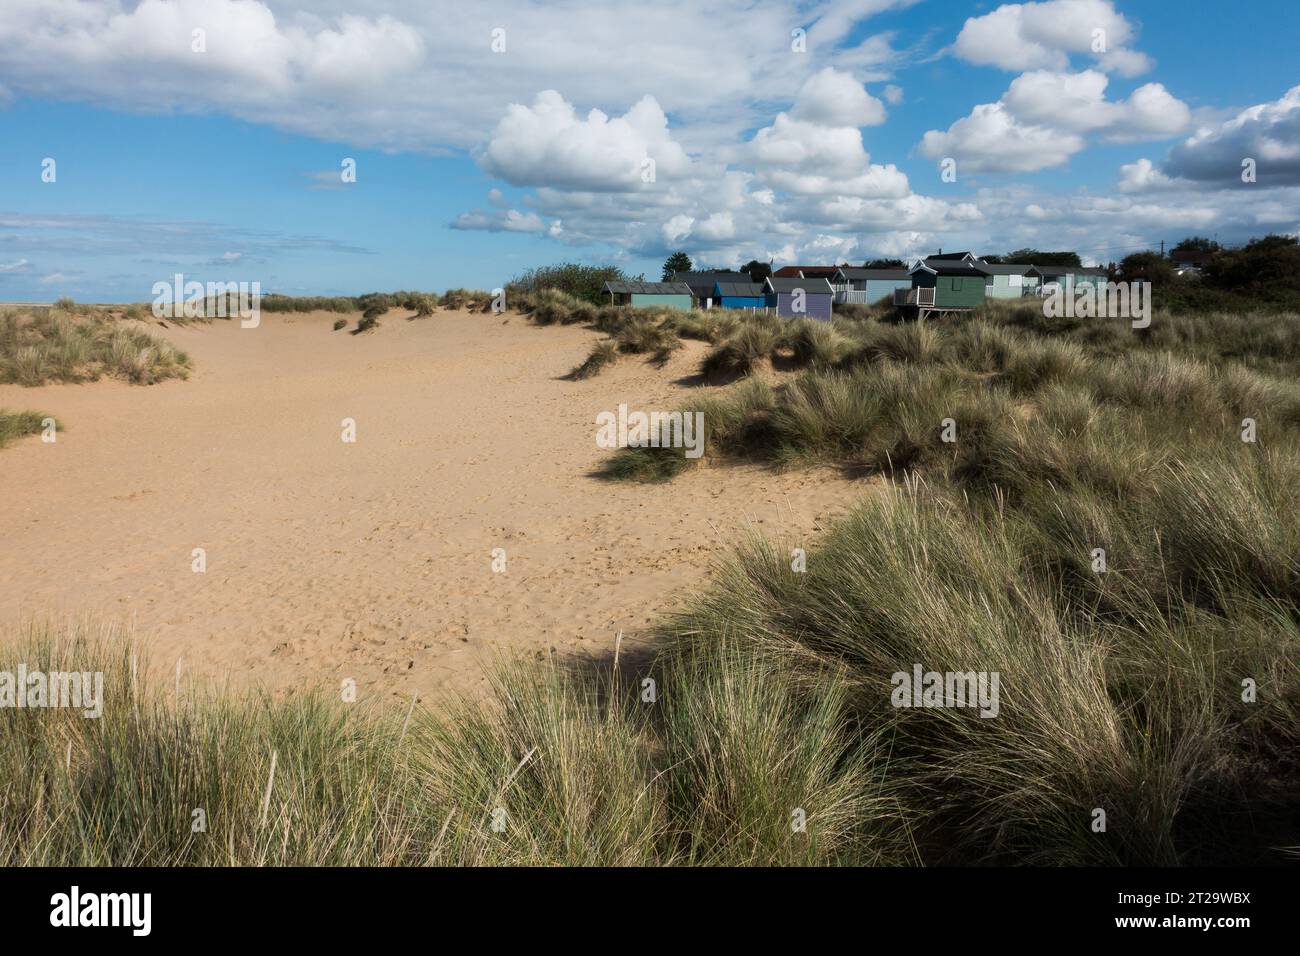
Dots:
pixel 1009 281
pixel 739 295
pixel 943 286
pixel 1069 278
pixel 800 298
pixel 672 295
pixel 702 284
pixel 866 286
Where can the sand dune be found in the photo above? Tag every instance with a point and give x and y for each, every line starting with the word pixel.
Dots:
pixel 370 560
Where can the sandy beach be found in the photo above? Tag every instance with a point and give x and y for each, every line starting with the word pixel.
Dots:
pixel 370 560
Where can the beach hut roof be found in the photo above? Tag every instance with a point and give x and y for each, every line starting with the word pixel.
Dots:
pixel 814 286
pixel 850 273
pixel 648 288
pixel 744 289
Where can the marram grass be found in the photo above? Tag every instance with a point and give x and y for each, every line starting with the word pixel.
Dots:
pixel 561 769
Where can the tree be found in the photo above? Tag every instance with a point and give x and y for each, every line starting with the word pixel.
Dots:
pixel 1262 266
pixel 1146 267
pixel 677 262
pixel 1027 257
pixel 757 271
pixel 885 264
pixel 1196 244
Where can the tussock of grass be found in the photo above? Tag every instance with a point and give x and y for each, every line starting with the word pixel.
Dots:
pixel 14 425
pixel 56 347
pixel 572 769
pixel 1115 690
pixel 754 341
pixel 815 344
pixel 645 335
pixel 602 354
pixel 465 299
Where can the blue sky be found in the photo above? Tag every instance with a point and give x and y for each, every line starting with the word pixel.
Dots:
pixel 474 164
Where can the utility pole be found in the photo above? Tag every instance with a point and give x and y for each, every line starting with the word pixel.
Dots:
pixel 1162 248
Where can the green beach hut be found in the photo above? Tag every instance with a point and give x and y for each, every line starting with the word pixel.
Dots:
pixel 943 285
pixel 670 295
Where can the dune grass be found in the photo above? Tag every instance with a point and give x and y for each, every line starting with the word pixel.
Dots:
pixel 771 702
pixel 1097 534
pixel 1121 691
pixel 566 769
pixel 14 425
pixel 603 354
pixel 59 346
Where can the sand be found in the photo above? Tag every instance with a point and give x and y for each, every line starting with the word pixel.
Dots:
pixel 371 560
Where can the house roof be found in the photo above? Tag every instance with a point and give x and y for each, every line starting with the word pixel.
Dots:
pixel 811 272
pixel 947 256
pixel 648 288
pixel 811 286
pixel 1008 269
pixel 874 273
pixel 744 289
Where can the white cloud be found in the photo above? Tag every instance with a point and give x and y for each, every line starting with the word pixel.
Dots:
pixel 1269 133
pixel 18 266
pixel 548 144
pixel 991 140
pixel 422 75
pixel 833 98
pixel 1038 123
pixel 504 220
pixel 1142 176
pixel 1027 36
pixel 817 149
pixel 1077 102
pixel 893 94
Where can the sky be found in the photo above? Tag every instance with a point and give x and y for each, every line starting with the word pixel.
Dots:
pixel 216 138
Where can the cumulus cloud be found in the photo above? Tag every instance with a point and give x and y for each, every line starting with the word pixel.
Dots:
pixel 1269 133
pixel 1077 102
pixel 833 98
pixel 1143 176
pixel 549 144
pixel 1040 121
pixel 1028 36
pixel 423 75
pixel 817 148
pixel 990 139
pixel 500 220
